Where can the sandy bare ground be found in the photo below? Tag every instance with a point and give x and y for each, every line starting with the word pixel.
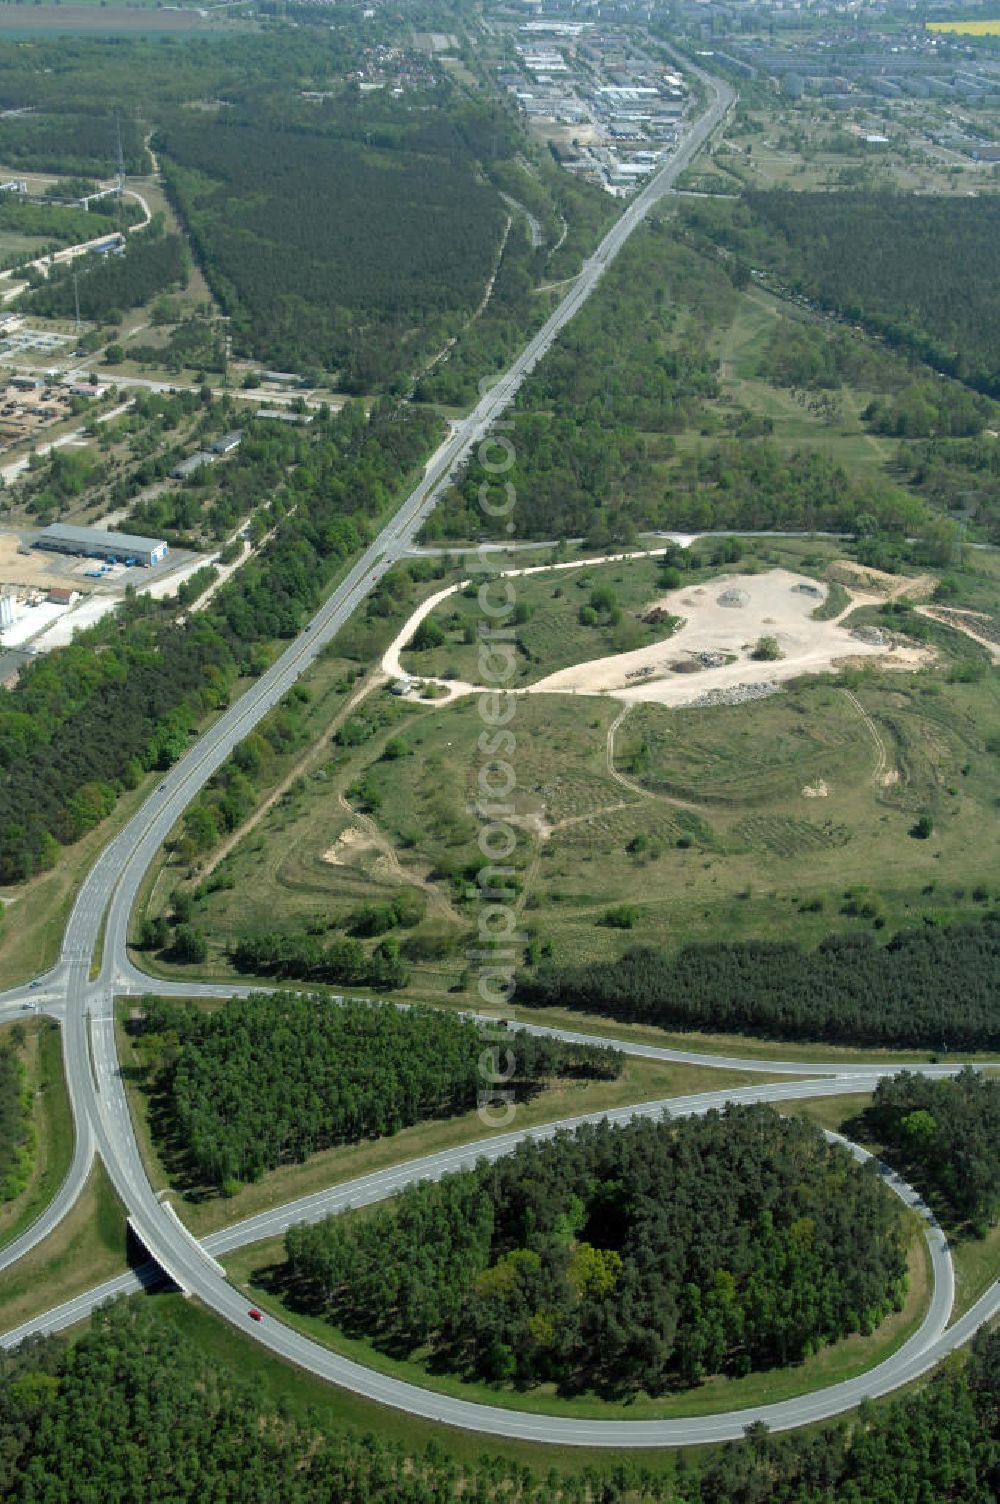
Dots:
pixel 866 582
pixel 357 842
pixel 975 624
pixel 351 841
pixel 779 604
pixel 774 608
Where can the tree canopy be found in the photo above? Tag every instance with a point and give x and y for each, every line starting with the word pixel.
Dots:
pixel 918 270
pixel 16 1136
pixel 644 1257
pixel 944 1135
pixel 135 1409
pixel 82 725
pixel 342 243
pixel 269 1080
pixel 934 988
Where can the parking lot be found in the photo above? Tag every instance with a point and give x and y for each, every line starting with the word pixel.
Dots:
pixel 41 341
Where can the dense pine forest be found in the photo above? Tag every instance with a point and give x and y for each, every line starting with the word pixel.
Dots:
pixel 309 958
pixel 83 725
pixel 269 1080
pixel 351 232
pixel 134 1409
pixel 75 93
pixel 151 263
pixel 943 1135
pixel 71 142
pixel 931 294
pixel 641 1258
pixel 389 257
pixel 935 988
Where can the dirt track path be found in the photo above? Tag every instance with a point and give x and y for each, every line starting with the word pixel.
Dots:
pixel 880 774
pixel 393 868
pixel 314 754
pixel 626 782
pixel 592 814
pixel 947 615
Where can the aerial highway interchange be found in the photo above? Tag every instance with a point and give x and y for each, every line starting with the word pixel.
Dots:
pixel 84 1007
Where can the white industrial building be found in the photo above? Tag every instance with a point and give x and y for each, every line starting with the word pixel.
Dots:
pixel 97 543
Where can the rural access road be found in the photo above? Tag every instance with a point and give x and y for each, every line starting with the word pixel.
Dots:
pixel 84 1005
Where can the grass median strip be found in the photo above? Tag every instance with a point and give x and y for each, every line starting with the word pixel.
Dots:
pixel 53 1125
pixel 88 1247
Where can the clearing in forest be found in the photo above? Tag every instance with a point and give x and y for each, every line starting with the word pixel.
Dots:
pixel 724 623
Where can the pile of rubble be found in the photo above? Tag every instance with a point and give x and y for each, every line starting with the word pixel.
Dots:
pixel 736 694
pixel 873 636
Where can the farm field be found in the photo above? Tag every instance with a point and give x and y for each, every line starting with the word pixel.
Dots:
pixel 967 28
pixel 135 18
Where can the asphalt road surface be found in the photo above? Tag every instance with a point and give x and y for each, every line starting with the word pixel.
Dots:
pixel 921 1351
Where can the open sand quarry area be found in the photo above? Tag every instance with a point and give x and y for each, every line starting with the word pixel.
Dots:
pixel 709 659
pixel 724 619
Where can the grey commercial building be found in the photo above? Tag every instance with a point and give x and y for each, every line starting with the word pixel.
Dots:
pixel 96 543
pixel 194 462
pixel 282 415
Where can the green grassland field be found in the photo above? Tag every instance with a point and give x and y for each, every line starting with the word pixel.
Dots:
pixel 695 822
pixel 789 817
